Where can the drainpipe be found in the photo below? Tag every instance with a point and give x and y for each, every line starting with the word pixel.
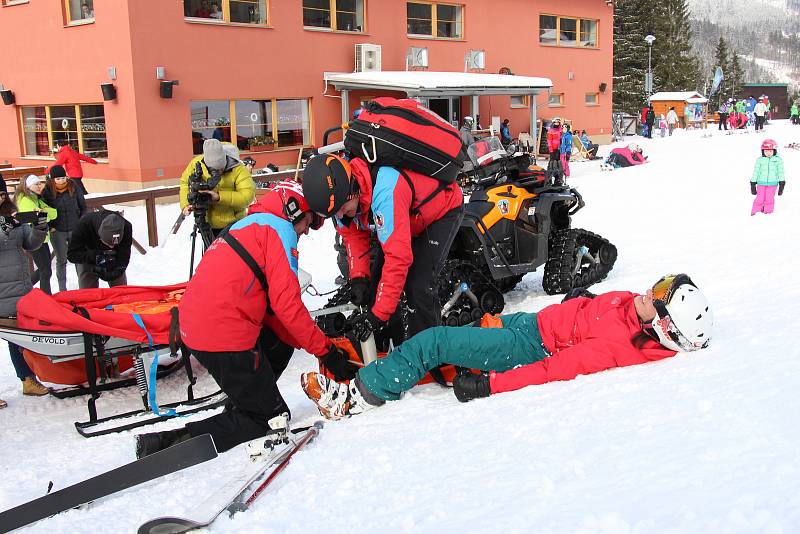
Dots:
pixel 534 129
pixel 475 111
pixel 345 105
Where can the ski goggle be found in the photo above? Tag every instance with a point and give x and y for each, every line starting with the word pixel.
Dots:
pixel 666 286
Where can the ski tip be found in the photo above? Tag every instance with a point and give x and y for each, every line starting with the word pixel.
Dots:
pixel 167 525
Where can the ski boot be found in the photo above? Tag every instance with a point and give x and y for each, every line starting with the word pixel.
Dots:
pixel 337 401
pixel 147 444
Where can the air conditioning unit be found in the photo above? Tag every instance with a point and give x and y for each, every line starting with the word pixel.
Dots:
pixel 368 57
pixel 417 57
pixel 475 59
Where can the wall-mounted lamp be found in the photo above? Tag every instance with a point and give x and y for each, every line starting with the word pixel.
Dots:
pixel 603 87
pixel 109 91
pixel 8 97
pixel 161 73
pixel 112 73
pixel 165 88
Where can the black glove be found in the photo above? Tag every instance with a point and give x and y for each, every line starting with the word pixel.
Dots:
pixel 364 324
pixel 106 259
pixel 576 292
pixel 339 365
pixel 359 291
pixel 753 188
pixel 468 386
pixel 781 185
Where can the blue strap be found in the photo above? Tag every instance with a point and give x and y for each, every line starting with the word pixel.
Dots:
pixel 153 373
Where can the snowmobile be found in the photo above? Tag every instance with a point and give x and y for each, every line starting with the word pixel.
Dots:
pixel 516 220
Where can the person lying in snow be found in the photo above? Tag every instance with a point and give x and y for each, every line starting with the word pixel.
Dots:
pixel 626 157
pixel 581 335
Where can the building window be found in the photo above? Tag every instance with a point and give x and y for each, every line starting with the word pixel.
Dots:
pixel 14 2
pixel 234 11
pixel 79 10
pixel 83 126
pixel 338 15
pixel 555 99
pixel 520 101
pixel 435 20
pixel 592 99
pixel 567 31
pixel 259 125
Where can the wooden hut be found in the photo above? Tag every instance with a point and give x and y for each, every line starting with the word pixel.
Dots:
pixel 664 100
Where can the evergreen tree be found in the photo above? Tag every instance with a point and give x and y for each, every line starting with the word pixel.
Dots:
pixel 630 55
pixel 675 66
pixel 736 76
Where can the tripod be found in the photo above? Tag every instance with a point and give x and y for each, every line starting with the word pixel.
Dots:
pixel 202 227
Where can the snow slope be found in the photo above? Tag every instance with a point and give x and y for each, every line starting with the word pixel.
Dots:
pixel 703 442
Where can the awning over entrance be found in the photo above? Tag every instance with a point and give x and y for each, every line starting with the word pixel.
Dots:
pixel 429 84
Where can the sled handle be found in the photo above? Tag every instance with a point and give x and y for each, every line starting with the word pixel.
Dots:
pixel 374 151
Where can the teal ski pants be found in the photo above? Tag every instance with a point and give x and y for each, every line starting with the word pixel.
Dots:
pixel 488 349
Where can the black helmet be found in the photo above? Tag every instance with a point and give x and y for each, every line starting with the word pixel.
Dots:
pixel 326 184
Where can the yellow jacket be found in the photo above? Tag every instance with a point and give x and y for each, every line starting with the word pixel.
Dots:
pixel 236 191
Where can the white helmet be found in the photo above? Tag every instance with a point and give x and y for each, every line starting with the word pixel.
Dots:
pixel 633 147
pixel 469 119
pixel 683 319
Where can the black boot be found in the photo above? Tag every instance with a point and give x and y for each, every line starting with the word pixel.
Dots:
pixel 147 444
pixel 468 386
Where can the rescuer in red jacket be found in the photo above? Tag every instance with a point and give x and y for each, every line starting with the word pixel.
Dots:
pixel 416 219
pixel 243 334
pixel 582 335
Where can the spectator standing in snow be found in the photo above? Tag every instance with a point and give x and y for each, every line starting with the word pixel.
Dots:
pixel 584 334
pixel 15 278
pixel 662 125
pixel 724 110
pixel 71 161
pixel 794 114
pixel 67 199
pixel 672 120
pixel 767 178
pixel 650 119
pixel 28 198
pixel 760 113
pixel 565 149
pixel 749 106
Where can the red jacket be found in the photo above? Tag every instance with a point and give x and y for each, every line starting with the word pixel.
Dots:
pixel 71 161
pixel 584 336
pixel 224 306
pixel 634 158
pixel 389 204
pixel 554 139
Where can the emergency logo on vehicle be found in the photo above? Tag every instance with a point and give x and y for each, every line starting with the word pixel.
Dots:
pixel 504 207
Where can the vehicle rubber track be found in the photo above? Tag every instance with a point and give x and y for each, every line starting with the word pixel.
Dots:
pixel 561 272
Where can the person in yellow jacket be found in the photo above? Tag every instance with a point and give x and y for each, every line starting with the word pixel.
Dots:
pixel 230 197
pixel 28 199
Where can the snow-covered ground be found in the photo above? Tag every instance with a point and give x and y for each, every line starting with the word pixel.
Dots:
pixel 703 442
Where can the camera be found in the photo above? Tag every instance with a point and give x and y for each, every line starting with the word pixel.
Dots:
pixel 200 190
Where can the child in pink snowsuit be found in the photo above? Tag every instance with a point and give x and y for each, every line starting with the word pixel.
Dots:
pixel 767 178
pixel 662 124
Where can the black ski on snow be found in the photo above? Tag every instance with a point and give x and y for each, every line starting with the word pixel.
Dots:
pixel 186 454
pixel 234 495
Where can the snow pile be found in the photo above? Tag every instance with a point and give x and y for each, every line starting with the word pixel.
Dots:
pixel 703 442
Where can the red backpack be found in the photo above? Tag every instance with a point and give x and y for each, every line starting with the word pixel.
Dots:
pixel 403 133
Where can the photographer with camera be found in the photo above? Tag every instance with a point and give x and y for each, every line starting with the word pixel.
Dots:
pixel 101 248
pixel 242 318
pixel 217 188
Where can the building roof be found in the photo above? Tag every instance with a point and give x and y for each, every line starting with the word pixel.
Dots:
pixel 678 96
pixel 430 83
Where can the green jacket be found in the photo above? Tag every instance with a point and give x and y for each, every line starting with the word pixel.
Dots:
pixel 793 111
pixel 768 171
pixel 236 191
pixel 27 204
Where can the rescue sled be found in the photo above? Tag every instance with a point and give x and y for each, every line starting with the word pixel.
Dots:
pixel 95 340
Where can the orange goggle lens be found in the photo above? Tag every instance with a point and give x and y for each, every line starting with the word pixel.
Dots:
pixel 664 288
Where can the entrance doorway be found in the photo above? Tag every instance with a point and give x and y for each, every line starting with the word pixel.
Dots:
pixel 447 108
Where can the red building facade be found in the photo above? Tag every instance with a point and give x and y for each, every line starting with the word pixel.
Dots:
pixel 251 72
